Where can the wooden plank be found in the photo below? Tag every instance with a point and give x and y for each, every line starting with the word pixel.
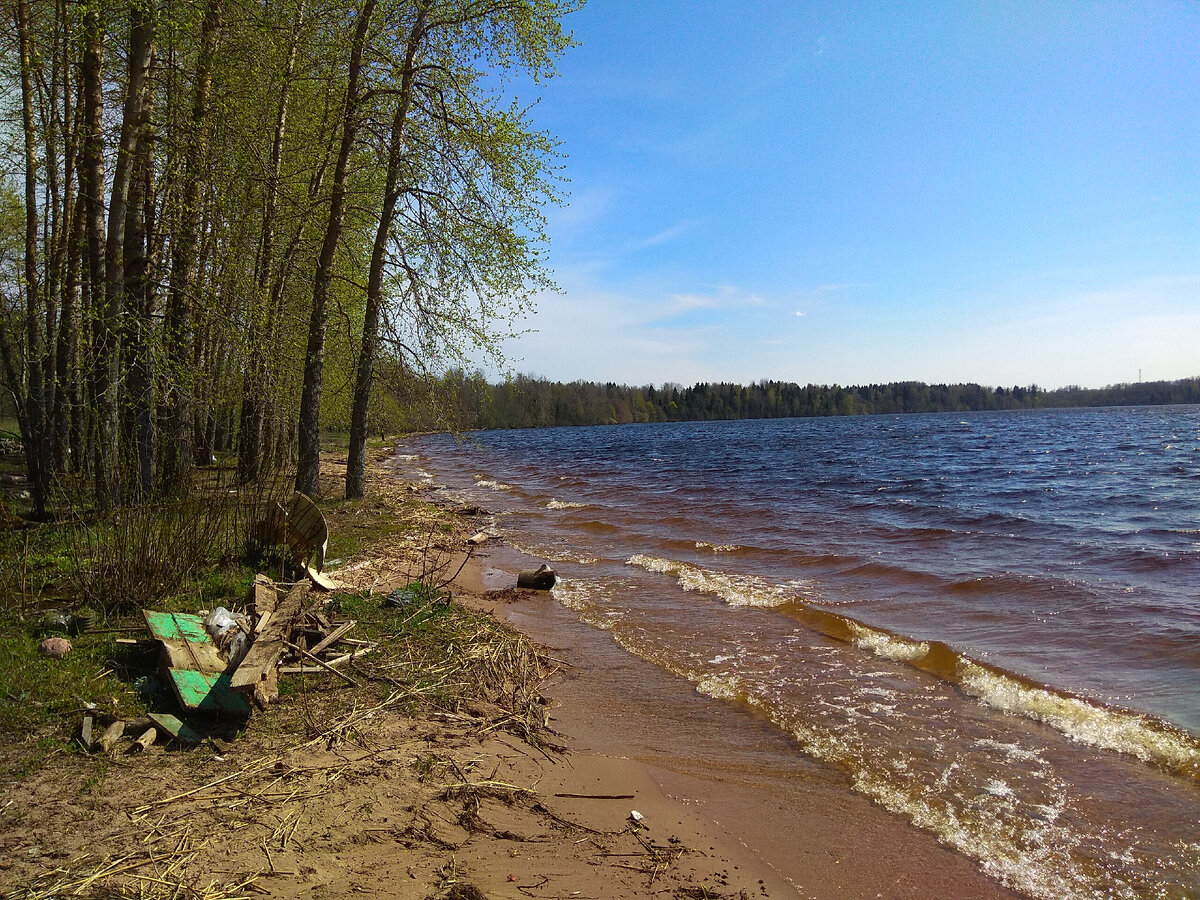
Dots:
pixel 333 636
pixel 254 676
pixel 175 727
pixel 176 627
pixel 262 596
pixel 262 622
pixel 191 655
pixel 267 688
pixel 206 691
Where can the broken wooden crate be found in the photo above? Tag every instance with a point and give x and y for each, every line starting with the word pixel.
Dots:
pixel 192 665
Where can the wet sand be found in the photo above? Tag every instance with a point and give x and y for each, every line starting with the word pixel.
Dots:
pixel 730 783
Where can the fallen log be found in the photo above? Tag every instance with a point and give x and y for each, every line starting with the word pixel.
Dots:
pixel 111 735
pixel 147 738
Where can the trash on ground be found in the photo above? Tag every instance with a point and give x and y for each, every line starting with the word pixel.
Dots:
pixel 227 661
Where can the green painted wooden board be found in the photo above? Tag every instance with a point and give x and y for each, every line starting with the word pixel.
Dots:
pixel 207 691
pixel 175 727
pixel 168 626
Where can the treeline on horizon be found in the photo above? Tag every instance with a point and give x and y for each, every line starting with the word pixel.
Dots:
pixel 469 402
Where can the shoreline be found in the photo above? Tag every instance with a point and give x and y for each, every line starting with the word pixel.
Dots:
pixel 781 824
pixel 324 798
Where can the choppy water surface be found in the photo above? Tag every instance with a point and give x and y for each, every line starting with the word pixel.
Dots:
pixel 990 622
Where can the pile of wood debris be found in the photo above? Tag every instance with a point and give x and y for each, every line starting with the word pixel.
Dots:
pixel 221 665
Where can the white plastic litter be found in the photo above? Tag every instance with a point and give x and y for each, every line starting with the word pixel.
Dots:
pixel 229 634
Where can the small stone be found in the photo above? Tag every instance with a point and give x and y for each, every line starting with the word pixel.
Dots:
pixel 55 647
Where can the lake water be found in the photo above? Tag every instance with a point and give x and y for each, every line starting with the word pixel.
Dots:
pixel 989 621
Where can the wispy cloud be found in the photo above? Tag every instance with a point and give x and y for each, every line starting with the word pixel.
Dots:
pixel 724 297
pixel 664 236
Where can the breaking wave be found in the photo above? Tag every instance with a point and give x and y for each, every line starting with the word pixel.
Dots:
pixel 736 590
pixel 566 504
pixel 1084 721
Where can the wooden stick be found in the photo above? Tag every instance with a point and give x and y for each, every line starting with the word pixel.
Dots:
pixel 322 664
pixel 333 636
pixel 309 670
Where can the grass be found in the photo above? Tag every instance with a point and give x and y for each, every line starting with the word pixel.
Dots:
pixel 42 700
pixel 431 653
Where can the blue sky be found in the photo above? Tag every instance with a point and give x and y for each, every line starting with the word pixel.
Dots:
pixel 1004 193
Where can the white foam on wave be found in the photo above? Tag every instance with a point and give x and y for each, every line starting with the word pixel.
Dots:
pixel 1084 722
pixel 1013 751
pixel 736 590
pixel 566 504
pixel 493 485
pixel 1041 867
pixel 717 548
pixel 885 645
pixel 719 687
pixel 573 594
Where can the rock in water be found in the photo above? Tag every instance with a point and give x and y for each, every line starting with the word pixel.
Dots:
pixel 540 579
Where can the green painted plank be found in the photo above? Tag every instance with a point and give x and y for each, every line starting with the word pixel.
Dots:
pixel 167 626
pixel 207 691
pixel 175 727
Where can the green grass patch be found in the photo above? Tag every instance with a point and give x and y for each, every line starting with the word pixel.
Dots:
pixel 50 696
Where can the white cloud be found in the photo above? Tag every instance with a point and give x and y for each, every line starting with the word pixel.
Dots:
pixel 666 235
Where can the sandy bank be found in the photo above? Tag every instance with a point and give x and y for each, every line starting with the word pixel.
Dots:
pixel 794 829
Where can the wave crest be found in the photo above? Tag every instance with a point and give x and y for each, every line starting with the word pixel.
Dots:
pixel 736 590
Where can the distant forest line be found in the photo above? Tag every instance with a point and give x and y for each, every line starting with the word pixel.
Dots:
pixel 469 402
